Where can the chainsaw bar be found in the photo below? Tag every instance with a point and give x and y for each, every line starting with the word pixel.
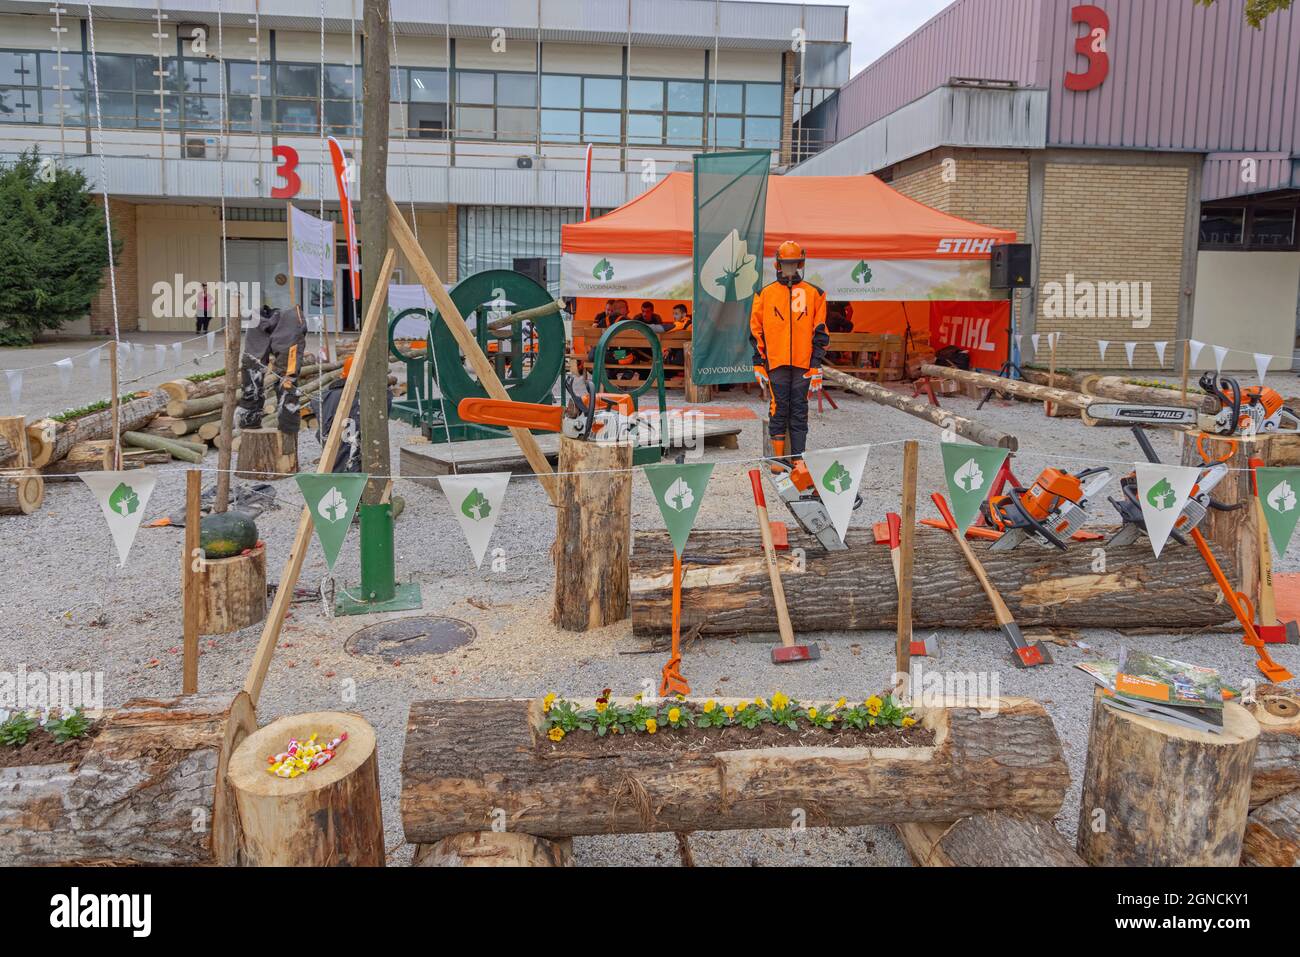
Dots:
pixel 1169 416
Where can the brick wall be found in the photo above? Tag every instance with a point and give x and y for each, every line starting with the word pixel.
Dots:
pixel 992 190
pixel 1112 224
pixel 122 217
pixel 453 245
pixel 787 107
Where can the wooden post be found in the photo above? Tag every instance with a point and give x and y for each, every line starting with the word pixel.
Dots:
pixel 694 393
pixel 593 534
pixel 190 582
pixel 906 556
pixel 1051 374
pixel 1187 366
pixel 267 455
pixel 1156 794
pixel 225 448
pixel 329 817
pixel 293 284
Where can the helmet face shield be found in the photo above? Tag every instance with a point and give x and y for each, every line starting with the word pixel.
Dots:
pixel 789 262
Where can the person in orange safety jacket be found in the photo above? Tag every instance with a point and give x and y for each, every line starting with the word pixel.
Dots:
pixel 787 327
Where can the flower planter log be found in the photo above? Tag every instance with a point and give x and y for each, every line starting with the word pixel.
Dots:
pixel 1156 794
pixel 989 840
pixel 1277 759
pixel 467 761
pixel 132 416
pixel 232 592
pixel 266 455
pixel 725 588
pixel 147 791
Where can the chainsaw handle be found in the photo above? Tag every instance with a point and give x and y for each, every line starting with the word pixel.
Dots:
pixel 756 481
pixel 895 523
pixel 942 505
pixel 1148 449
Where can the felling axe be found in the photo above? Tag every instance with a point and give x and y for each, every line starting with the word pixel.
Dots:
pixel 888 533
pixel 788 652
pixel 1270 630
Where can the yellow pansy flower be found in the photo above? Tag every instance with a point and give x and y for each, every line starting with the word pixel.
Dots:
pixel 730 710
pixel 841 703
pixel 779 700
pixel 556 734
pixel 651 725
pixel 601 706
pixel 710 706
pixel 874 705
pixel 908 721
pixel 674 715
pixel 812 714
pixel 547 702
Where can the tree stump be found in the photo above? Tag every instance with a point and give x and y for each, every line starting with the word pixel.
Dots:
pixel 21 491
pixel 694 392
pixel 232 592
pixel 1156 794
pixel 593 534
pixel 1273 834
pixel 1277 759
pixel 329 817
pixel 266 455
pixel 495 849
pixel 989 840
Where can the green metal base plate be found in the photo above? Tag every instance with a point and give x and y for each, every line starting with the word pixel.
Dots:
pixel 351 602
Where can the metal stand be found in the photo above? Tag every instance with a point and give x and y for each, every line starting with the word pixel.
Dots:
pixel 378 592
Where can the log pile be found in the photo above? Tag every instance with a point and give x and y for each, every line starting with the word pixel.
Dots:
pixel 22 490
pixel 1273 829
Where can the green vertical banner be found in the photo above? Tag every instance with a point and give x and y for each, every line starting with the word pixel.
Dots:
pixel 970 470
pixel 730 208
pixel 332 497
pixel 1279 493
pixel 679 489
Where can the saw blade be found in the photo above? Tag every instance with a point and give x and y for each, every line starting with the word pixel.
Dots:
pixel 1169 416
pixel 1127 535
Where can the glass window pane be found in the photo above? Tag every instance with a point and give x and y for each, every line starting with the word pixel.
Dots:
pixel 602 93
pixel 115 72
pixel 725 131
pixel 762 134
pixel 51 75
pixel 645 94
pixel 561 125
pixel 428 86
pixel 1222 227
pixel 295 116
pixel 517 89
pixel 147 110
pixel 239 113
pixel 338 117
pixel 685 96
pixel 561 91
pixel 516 123
pixel 18 69
pixel 428 120
pixel 1272 227
pixel 474 123
pixel 240 78
pixel 117 109
pixel 727 98
pixel 18 106
pixel 338 81
pixel 685 130
pixel 71 102
pixel 473 87
pixel 645 129
pixel 200 76
pixel 763 99
pixel 297 79
pixel 601 127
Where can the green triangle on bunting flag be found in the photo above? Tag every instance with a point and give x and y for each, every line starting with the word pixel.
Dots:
pixel 1279 494
pixel 679 489
pixel 332 497
pixel 970 471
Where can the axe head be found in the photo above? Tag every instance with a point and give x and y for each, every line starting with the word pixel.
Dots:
pixel 925 648
pixel 1284 633
pixel 789 654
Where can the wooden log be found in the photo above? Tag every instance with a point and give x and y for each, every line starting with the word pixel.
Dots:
pixel 13 430
pixel 466 761
pixel 208 433
pixel 149 791
pixel 182 451
pixel 724 585
pixel 21 491
pixel 945 419
pixel 1063 379
pixel 1156 794
pixel 132 416
pixel 1115 388
pixel 495 849
pixel 329 817
pixel 168 425
pixel 186 408
pixel 232 592
pixel 93 456
pixel 181 390
pixel 1273 834
pixel 8 454
pixel 267 455
pixel 41 435
pixel 593 533
pixel 1277 759
pixel 1016 387
pixel 694 392
pixel 989 840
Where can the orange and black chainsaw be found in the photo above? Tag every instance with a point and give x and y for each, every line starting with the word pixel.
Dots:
pixel 1252 411
pixel 605 416
pixel 1049 511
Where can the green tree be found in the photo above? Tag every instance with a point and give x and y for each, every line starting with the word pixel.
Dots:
pixel 52 249
pixel 1257 11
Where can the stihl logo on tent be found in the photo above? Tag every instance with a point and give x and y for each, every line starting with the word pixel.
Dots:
pixel 967 332
pixel 958 246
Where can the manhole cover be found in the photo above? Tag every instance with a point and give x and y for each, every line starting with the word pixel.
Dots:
pixel 405 638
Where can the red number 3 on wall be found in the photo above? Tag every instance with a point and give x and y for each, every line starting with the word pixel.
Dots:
pixel 1091 46
pixel 288 157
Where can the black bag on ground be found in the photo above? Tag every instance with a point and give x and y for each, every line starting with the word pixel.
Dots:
pixel 952 357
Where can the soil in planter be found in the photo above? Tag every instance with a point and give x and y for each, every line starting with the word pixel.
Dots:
pixel 41 748
pixel 734 738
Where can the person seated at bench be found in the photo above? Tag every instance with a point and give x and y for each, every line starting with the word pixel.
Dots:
pixel 839 318
pixel 615 310
pixel 681 323
pixel 651 318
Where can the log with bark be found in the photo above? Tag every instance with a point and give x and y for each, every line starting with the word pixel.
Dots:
pixel 1114 387
pixel 945 419
pixel 1016 387
pixel 466 761
pixel 182 451
pixel 8 453
pixel 13 433
pixel 41 436
pixel 593 532
pixel 232 592
pixel 150 790
pixel 989 840
pixel 133 415
pixel 725 587
pixel 495 849
pixel 1277 759
pixel 21 491
pixel 266 455
pixel 186 408
pixel 1157 794
pixel 168 425
pixel 1273 834
pixel 97 455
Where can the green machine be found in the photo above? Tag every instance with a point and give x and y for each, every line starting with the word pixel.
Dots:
pixel 642 454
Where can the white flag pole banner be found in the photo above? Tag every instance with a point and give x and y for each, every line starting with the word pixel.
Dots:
pixel 313 246
pixel 838 473
pixel 476 502
pixel 1160 352
pixel 1163 491
pixel 1054 339
pixel 15 377
pixel 1220 353
pixel 123 497
pixel 65 372
pixel 1197 346
pixel 1128 351
pixel 1101 347
pixel 1261 365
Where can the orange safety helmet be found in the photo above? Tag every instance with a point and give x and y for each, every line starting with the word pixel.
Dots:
pixel 790 251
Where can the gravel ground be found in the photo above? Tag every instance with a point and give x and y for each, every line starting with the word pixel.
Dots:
pixel 66 548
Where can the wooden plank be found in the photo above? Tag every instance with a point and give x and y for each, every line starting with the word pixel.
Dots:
pixel 906 562
pixel 190 584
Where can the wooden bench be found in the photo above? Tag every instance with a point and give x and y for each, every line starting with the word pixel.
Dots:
pixel 586 335
pixel 873 356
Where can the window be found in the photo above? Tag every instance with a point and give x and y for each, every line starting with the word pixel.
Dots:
pixel 724 132
pixel 516 123
pixel 518 90
pixel 645 95
pixel 562 126
pixel 428 86
pixel 727 98
pixel 297 79
pixel 601 127
pixel 1222 227
pixel 241 78
pixel 762 134
pixel 19 99
pixel 475 88
pixel 685 130
pixel 645 129
pixel 1260 225
pixel 600 93
pixel 763 99
pixel 561 91
pixel 475 122
pixel 686 96
pixel 1272 228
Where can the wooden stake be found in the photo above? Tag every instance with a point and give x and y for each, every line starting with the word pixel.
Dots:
pixel 487 376
pixel 906 555
pixel 1051 372
pixel 225 459
pixel 293 283
pixel 302 538
pixel 1187 365
pixel 112 375
pixel 190 582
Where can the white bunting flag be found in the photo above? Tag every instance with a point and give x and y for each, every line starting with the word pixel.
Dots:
pixel 838 473
pixel 476 502
pixel 123 497
pixel 1196 347
pixel 212 342
pixel 1160 352
pixel 15 377
pixel 1261 365
pixel 1128 351
pixel 178 352
pixel 313 245
pixel 94 364
pixel 1020 344
pixel 159 357
pixel 1163 491
pixel 1034 340
pixel 65 372
pixel 1054 339
pixel 1220 353
pixel 1101 347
